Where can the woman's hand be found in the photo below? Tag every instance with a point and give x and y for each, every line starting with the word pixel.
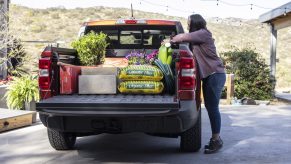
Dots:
pixel 165 41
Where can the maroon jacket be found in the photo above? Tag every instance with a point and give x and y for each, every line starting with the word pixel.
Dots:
pixel 204 50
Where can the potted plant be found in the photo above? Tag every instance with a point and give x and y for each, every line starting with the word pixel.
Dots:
pixel 91 48
pixel 21 91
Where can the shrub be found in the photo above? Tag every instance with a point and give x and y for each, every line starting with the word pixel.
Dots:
pixel 91 48
pixel 21 90
pixel 252 75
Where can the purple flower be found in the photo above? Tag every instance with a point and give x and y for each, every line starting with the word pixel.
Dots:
pixel 135 57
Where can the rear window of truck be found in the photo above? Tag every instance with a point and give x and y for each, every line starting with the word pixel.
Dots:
pixel 135 37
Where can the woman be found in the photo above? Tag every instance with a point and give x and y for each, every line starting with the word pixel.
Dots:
pixel 212 73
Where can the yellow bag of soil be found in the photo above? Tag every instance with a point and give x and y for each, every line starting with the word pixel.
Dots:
pixel 141 72
pixel 141 87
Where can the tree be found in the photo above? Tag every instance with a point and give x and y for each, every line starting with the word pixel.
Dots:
pixel 4 37
pixel 12 54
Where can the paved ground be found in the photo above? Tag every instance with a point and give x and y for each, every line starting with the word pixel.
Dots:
pixel 284 96
pixel 252 134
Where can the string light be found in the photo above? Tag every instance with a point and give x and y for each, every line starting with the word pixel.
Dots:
pixel 167 7
pixel 217 3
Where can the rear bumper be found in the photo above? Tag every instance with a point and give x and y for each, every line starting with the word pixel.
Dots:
pixel 148 118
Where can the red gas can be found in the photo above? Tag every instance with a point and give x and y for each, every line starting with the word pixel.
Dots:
pixel 69 79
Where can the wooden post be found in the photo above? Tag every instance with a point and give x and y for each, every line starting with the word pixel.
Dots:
pixel 273 46
pixel 229 87
pixel 229 84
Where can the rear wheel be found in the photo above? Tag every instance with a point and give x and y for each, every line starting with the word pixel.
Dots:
pixel 61 140
pixel 191 138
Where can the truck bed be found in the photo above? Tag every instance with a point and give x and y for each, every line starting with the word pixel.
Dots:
pixel 108 104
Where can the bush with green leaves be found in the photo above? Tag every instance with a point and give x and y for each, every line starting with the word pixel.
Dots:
pixel 91 48
pixel 252 74
pixel 21 90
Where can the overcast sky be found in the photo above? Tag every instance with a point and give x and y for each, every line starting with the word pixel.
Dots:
pixel 247 9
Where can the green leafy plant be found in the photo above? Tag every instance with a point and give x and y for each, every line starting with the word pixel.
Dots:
pixel 21 90
pixel 252 74
pixel 91 48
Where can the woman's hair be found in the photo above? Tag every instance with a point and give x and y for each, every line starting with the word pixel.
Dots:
pixel 197 22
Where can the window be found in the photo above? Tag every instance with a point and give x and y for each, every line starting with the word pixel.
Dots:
pixel 155 37
pixel 135 36
pixel 130 37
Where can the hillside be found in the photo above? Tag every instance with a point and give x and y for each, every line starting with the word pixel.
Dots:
pixel 62 24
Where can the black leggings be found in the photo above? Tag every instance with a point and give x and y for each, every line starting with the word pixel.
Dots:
pixel 212 88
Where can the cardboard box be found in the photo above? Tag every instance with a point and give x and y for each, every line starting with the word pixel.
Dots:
pixel 97 84
pixel 115 62
pixel 99 71
pixel 69 79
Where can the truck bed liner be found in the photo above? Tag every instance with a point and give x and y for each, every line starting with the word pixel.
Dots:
pixel 108 103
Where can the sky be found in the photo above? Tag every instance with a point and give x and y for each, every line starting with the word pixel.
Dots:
pixel 246 9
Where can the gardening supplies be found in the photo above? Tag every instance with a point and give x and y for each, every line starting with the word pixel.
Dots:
pixel 22 90
pixel 141 72
pixel 136 58
pixel 165 54
pixel 141 58
pixel 114 62
pixel 91 48
pixel 168 76
pixel 164 63
pixel 141 87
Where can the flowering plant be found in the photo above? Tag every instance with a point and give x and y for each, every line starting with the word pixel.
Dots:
pixel 151 57
pixel 136 58
pixel 140 58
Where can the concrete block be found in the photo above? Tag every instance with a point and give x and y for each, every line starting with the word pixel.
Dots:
pixel 99 71
pixel 97 84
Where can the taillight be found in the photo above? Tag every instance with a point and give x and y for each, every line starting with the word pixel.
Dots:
pixel 131 21
pixel 184 53
pixel 46 54
pixel 187 74
pixel 44 79
pixel 186 77
pixel 44 82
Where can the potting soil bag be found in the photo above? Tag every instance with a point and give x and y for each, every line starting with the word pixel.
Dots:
pixel 141 87
pixel 141 72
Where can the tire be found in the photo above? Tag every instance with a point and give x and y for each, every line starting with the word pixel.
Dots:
pixel 191 138
pixel 61 140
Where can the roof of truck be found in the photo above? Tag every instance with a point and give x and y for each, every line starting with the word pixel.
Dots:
pixel 131 22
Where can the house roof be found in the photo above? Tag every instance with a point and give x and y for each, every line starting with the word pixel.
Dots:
pixel 277 13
